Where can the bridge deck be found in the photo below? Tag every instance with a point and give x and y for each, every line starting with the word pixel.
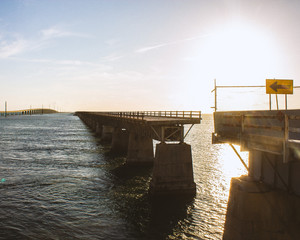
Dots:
pixel 159 125
pixel 153 118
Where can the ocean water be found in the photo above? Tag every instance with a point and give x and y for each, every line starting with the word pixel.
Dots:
pixel 57 181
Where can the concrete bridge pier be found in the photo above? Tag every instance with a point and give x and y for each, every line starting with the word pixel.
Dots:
pixel 91 124
pixel 140 150
pixel 99 128
pixel 107 132
pixel 120 139
pixel 173 170
pixel 265 204
pixel 88 122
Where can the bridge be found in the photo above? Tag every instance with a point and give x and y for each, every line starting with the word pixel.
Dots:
pixel 27 112
pixel 265 204
pixel 132 133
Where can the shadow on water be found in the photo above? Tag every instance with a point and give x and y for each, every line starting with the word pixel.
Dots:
pixel 167 213
pixel 147 217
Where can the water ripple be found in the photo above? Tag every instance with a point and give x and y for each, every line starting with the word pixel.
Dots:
pixel 61 183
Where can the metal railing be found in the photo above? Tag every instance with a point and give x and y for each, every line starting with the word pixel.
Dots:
pixel 168 114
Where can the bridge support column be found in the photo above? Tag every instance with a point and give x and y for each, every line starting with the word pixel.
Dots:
pixel 173 170
pixel 140 150
pixel 92 124
pixel 265 204
pixel 120 140
pixel 89 122
pixel 256 211
pixel 107 132
pixel 270 169
pixel 99 128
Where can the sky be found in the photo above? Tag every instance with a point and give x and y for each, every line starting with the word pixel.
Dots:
pixel 134 55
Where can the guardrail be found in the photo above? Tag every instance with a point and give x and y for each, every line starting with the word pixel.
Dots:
pixel 169 114
pixel 269 131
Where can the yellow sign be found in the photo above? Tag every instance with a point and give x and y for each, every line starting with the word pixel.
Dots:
pixel 279 86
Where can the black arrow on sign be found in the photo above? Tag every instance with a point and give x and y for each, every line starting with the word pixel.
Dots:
pixel 276 86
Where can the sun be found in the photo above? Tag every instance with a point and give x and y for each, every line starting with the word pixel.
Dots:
pixel 241 52
pixel 235 53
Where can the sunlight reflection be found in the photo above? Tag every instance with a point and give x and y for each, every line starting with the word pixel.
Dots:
pixel 230 163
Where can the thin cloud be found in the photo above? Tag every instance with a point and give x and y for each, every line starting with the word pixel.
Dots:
pixel 8 49
pixel 146 49
pixel 112 42
pixel 65 62
pixel 150 48
pixel 53 33
pixel 111 58
pixel 13 44
pixel 58 32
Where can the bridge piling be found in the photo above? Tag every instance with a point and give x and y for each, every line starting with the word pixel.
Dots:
pixel 173 170
pixel 107 133
pixel 99 128
pixel 140 150
pixel 120 139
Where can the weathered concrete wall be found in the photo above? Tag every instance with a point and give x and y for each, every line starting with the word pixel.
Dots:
pixel 120 139
pixel 257 212
pixel 107 133
pixel 99 129
pixel 270 169
pixel 173 170
pixel 140 150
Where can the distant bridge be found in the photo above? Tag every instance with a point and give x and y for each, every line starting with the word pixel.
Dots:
pixel 27 112
pixel 132 133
